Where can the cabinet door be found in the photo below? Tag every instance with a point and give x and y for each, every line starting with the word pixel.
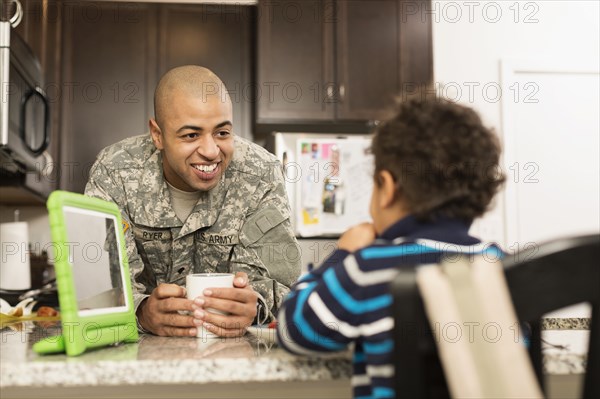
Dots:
pixel 219 38
pixel 378 50
pixel 109 75
pixel 295 61
pixel 416 48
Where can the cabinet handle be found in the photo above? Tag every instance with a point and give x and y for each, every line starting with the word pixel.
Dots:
pixel 329 92
pixel 342 93
pixel 373 123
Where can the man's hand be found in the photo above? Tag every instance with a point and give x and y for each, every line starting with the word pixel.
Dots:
pixel 357 237
pixel 159 313
pixel 239 302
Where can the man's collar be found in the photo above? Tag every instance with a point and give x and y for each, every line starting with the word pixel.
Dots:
pixel 154 207
pixel 208 207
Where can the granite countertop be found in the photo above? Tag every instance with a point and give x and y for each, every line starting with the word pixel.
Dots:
pixel 161 360
pixel 574 323
pixel 169 360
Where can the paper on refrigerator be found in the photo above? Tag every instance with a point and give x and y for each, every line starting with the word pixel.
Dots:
pixel 334 184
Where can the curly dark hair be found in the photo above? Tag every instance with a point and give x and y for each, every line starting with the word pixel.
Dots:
pixel 444 160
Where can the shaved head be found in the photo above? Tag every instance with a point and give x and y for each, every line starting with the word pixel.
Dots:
pixel 190 81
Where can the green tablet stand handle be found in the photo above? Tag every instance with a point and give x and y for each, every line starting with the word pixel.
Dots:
pixel 95 338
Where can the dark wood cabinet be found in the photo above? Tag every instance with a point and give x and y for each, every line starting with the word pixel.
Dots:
pixel 109 74
pixel 367 54
pixel 217 37
pixel 295 61
pixel 377 49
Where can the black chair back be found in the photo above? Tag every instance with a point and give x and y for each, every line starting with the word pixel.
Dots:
pixel 540 279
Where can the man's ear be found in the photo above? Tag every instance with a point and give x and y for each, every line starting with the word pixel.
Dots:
pixel 387 189
pixel 156 134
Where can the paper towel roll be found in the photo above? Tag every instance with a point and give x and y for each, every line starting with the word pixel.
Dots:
pixel 15 272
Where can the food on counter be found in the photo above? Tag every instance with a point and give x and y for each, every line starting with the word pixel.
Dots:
pixel 20 316
pixel 47 317
pixel 47 311
pixel 22 308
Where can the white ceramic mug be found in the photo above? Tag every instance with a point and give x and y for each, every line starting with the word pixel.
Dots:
pixel 195 284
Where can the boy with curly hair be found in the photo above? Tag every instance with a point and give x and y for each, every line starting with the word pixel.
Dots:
pixel 436 170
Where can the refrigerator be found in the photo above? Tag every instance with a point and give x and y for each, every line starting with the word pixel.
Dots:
pixel 329 179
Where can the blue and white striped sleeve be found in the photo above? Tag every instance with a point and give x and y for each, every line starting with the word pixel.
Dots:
pixel 318 314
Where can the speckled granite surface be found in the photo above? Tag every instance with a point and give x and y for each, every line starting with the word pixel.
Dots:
pixel 578 323
pixel 160 360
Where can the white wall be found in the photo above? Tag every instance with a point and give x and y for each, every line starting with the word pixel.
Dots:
pixel 471 40
pixel 558 43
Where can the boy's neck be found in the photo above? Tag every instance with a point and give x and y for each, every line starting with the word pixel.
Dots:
pixel 392 215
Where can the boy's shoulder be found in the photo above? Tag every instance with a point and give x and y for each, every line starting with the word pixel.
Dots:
pixel 418 251
pixel 384 254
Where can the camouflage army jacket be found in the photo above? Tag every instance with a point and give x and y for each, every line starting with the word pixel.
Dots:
pixel 243 224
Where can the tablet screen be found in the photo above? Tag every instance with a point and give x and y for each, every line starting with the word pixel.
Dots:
pixel 96 261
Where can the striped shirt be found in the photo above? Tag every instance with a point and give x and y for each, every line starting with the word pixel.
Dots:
pixel 347 300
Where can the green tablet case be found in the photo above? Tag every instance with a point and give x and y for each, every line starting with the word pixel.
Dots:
pixel 91 315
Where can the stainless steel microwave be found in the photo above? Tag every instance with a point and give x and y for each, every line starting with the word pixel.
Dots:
pixel 24 112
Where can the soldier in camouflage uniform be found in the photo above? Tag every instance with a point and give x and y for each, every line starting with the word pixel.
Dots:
pixel 239 223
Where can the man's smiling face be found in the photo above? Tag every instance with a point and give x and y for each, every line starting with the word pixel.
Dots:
pixel 196 140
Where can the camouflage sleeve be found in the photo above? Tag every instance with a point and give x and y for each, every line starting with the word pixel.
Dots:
pixel 105 185
pixel 269 252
